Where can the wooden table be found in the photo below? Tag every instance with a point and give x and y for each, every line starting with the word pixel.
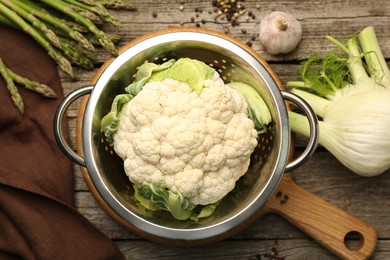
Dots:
pixel 323 175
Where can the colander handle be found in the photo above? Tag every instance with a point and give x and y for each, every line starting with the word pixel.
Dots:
pixel 58 120
pixel 314 131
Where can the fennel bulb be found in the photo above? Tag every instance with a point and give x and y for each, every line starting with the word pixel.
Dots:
pixel 352 96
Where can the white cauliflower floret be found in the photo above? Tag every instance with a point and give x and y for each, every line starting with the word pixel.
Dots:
pixel 195 144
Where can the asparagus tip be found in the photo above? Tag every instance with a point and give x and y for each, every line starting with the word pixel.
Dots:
pixel 19 106
pixel 65 66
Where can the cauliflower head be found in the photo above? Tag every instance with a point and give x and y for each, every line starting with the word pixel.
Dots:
pixel 197 144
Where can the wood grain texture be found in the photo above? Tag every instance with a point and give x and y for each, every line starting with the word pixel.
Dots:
pixel 324 222
pixel 271 235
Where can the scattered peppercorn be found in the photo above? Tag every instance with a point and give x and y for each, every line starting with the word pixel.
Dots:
pixel 229 8
pixel 279 194
pixel 154 14
pixel 249 43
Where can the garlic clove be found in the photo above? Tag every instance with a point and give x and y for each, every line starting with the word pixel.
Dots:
pixel 280 32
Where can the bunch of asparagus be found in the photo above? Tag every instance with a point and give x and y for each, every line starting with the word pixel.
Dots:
pixel 66 29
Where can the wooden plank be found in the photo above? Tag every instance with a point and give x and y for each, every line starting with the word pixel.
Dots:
pixel 337 18
pixel 292 249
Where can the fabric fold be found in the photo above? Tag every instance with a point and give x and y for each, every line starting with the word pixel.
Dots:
pixel 38 219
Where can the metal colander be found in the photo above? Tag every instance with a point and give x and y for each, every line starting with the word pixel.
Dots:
pixel 235 62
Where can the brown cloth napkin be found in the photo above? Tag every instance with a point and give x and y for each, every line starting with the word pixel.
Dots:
pixel 37 215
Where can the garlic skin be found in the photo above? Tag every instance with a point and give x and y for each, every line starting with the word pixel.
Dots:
pixel 280 33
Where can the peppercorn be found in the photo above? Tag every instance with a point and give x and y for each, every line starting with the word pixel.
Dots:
pixel 231 8
pixel 154 14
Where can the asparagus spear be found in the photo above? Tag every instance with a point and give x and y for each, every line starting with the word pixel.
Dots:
pixel 96 19
pixel 51 36
pixel 15 96
pixel 40 88
pixel 62 62
pixel 94 40
pixel 88 2
pixel 56 22
pixel 74 45
pixel 103 39
pixel 4 20
pixel 51 31
pixel 98 9
pixel 77 55
pixel 116 4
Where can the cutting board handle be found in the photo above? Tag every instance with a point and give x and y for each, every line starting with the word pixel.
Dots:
pixel 321 220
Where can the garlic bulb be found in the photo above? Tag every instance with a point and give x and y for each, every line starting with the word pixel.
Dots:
pixel 280 32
